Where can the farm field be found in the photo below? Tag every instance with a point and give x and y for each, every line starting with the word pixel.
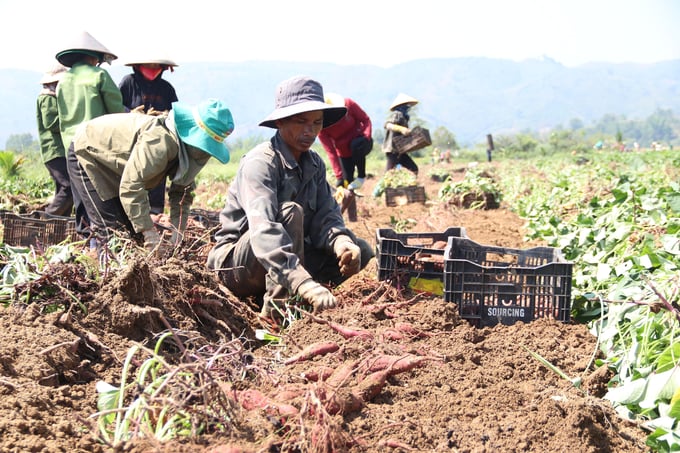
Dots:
pixel 444 384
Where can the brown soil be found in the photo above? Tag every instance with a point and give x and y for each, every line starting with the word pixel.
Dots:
pixel 474 389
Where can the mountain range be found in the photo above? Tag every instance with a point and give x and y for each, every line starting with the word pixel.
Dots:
pixel 471 97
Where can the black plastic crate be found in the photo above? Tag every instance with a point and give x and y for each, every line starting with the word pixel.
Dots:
pixel 397 196
pixel 413 260
pixel 494 285
pixel 209 219
pixel 37 229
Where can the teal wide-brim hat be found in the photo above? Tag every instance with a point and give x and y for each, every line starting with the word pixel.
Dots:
pixel 298 95
pixel 205 126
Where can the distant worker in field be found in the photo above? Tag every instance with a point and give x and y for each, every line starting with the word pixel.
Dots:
pixel 282 234
pixel 348 142
pixel 118 158
pixel 397 124
pixel 51 147
pixel 146 91
pixel 85 91
pixel 445 156
pixel 435 155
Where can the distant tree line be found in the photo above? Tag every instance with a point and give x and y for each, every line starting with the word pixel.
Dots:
pixel 661 127
pixel 22 143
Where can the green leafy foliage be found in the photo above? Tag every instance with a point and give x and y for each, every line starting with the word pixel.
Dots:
pixel 10 164
pixel 397 177
pixel 615 216
pixel 443 138
pixel 477 189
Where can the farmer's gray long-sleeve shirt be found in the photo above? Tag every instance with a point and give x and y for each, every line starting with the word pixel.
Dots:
pixel 268 176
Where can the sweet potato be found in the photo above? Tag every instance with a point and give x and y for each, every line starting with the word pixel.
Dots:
pixel 290 391
pixel 319 373
pixel 409 329
pixel 342 401
pixel 394 363
pixel 251 399
pixel 393 443
pixel 348 333
pixel 371 385
pixel 392 334
pixel 345 400
pixel 345 332
pixel 342 374
pixel 313 350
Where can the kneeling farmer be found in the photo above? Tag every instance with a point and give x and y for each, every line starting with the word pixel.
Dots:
pixel 282 231
pixel 118 158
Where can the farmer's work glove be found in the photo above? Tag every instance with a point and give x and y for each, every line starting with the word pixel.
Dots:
pixel 340 194
pixel 349 255
pixel 401 129
pixel 319 296
pixel 356 184
pixel 152 240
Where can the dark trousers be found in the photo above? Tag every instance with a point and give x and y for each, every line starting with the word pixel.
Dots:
pixel 349 164
pixel 404 159
pixel 244 275
pixel 157 198
pixel 62 203
pixel 94 216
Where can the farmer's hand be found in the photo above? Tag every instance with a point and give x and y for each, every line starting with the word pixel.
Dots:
pixel 153 112
pixel 152 240
pixel 138 109
pixel 401 129
pixel 340 194
pixel 349 255
pixel 319 296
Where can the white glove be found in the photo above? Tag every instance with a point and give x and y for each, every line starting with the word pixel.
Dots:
pixel 349 255
pixel 151 239
pixel 319 296
pixel 356 184
pixel 154 243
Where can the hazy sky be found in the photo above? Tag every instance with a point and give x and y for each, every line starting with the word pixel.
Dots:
pixel 376 32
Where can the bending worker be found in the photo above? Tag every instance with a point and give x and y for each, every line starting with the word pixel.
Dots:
pixel 118 158
pixel 348 142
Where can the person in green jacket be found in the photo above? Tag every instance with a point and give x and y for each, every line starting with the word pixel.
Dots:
pixel 118 158
pixel 85 91
pixel 51 146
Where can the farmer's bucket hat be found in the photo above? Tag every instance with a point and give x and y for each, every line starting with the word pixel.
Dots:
pixel 298 95
pixel 205 126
